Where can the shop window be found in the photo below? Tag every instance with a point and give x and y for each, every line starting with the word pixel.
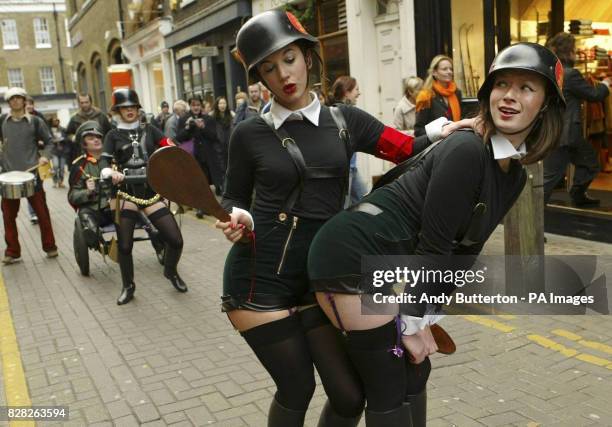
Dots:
pixel 41 33
pixel 186 79
pixel 326 19
pixel 207 79
pixel 10 39
pixel 196 74
pixel 15 78
pixel 468 53
pixel 335 57
pixel 47 80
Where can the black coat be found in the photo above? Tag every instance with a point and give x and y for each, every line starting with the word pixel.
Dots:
pixel 438 108
pixel 576 89
pixel 187 129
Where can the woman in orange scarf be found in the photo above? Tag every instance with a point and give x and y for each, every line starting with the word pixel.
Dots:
pixel 439 96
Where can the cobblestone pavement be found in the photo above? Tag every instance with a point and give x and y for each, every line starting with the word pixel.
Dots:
pixel 173 359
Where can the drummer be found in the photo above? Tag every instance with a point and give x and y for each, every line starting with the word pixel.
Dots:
pixel 20 133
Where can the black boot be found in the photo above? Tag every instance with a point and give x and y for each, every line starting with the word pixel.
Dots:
pixel 171 260
pixel 126 266
pixel 581 198
pixel 279 416
pixel 127 293
pixel 418 408
pixel 394 418
pixel 329 418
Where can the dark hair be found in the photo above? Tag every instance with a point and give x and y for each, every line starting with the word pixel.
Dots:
pixel 544 136
pixel 563 45
pixel 83 95
pixel 195 98
pixel 52 119
pixel 224 118
pixel 341 86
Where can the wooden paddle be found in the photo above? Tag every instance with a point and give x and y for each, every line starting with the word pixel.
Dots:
pixel 176 175
pixel 445 343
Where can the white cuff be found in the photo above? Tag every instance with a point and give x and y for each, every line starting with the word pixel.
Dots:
pixel 434 129
pixel 106 173
pixel 247 213
pixel 412 324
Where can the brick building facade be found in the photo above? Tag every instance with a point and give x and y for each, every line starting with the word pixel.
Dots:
pixel 96 30
pixel 35 52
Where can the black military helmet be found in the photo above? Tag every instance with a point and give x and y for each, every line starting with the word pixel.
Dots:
pixel 266 33
pixel 125 98
pixel 90 127
pixel 526 56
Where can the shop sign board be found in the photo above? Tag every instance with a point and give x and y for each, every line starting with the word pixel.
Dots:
pixel 204 51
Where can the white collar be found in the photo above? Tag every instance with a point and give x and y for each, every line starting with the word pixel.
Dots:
pixel 129 126
pixel 503 149
pixel 26 116
pixel 280 114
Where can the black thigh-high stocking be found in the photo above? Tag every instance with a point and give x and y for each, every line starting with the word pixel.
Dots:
pixel 339 377
pixel 383 374
pixel 125 237
pixel 282 349
pixel 170 233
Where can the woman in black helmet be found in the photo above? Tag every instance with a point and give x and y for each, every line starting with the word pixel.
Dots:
pixel 128 147
pixel 296 158
pixel 421 213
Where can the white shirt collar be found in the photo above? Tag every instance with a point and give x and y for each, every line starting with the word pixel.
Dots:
pixel 129 126
pixel 26 115
pixel 280 114
pixel 503 149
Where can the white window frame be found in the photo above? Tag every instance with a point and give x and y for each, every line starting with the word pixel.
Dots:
pixel 47 82
pixel 42 35
pixel 10 36
pixel 19 82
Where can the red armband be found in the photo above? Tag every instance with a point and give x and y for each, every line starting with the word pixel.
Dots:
pixel 394 145
pixel 165 142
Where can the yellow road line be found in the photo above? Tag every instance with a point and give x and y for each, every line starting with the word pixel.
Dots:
pixel 506 316
pixel 590 344
pixel 566 334
pixel 548 343
pixel 490 323
pixel 553 345
pixel 15 386
pixel 570 352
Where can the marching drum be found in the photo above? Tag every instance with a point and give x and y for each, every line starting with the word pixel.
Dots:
pixel 16 184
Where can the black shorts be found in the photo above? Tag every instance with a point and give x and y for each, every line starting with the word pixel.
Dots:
pixel 270 275
pixel 373 227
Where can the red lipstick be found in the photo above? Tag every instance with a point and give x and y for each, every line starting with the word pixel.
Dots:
pixel 290 88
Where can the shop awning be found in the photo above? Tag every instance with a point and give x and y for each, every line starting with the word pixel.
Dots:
pixel 234 10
